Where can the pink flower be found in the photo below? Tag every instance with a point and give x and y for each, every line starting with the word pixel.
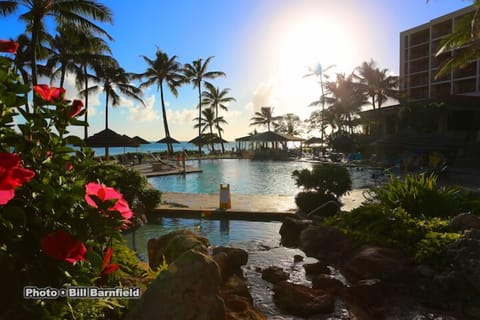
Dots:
pixel 49 94
pixel 11 176
pixel 107 193
pixel 8 46
pixel 75 108
pixel 62 246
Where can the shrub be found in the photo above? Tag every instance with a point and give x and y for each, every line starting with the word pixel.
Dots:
pixel 309 201
pixel 150 198
pixel 325 179
pixel 59 225
pixel 378 224
pixel 420 195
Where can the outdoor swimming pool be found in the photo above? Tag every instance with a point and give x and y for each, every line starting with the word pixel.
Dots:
pixel 247 177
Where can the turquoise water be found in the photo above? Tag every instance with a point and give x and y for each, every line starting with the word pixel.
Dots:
pixel 218 232
pixel 246 177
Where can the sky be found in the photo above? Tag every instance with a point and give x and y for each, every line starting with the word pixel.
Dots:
pixel 265 47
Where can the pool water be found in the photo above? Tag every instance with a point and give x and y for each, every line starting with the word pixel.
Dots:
pixel 218 232
pixel 260 239
pixel 247 177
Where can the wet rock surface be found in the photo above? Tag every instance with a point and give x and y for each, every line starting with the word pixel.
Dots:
pixel 196 285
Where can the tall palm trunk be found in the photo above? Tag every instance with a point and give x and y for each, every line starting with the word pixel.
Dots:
pixel 165 122
pixel 218 128
pixel 211 135
pixel 199 117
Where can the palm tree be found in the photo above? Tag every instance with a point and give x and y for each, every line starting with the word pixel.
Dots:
pixel 215 98
pixel 76 53
pixel 466 35
pixel 75 13
pixel 114 81
pixel 264 118
pixel 376 83
pixel 195 73
pixel 319 72
pixel 163 69
pixel 289 124
pixel 345 98
pixel 208 121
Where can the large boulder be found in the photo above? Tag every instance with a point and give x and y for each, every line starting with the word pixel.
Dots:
pixel 464 221
pixel 326 243
pixel 378 263
pixel 316 268
pixel 327 282
pixel 189 289
pixel 274 274
pixel 368 298
pixel 174 244
pixel 238 301
pixel 301 300
pixel 291 229
pixel 230 260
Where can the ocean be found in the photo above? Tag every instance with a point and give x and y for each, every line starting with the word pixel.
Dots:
pixel 159 147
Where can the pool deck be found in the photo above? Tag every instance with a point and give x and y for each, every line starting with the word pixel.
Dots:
pixel 163 168
pixel 243 207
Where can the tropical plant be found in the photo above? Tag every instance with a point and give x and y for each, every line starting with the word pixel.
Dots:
pixel 216 99
pixel 114 80
pixel 52 218
pixel 289 124
pixel 319 71
pixel 163 69
pixel 77 54
pixel 196 73
pixel 208 121
pixel 264 118
pixel 324 178
pixel 376 83
pixel 375 224
pixel 420 195
pixel 345 99
pixel 464 40
pixel 75 13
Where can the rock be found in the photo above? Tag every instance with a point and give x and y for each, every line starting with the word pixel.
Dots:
pixel 291 229
pixel 301 300
pixel 326 243
pixel 369 296
pixel 464 221
pixel 274 274
pixel 298 258
pixel 230 260
pixel 238 301
pixel 315 268
pixel 172 245
pixel 378 263
pixel 326 282
pixel 189 289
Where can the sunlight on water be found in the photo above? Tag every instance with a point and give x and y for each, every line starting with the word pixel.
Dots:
pixel 247 177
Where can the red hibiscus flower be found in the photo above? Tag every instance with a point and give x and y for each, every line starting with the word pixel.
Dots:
pixel 108 267
pixel 8 46
pixel 107 193
pixel 11 176
pixel 62 246
pixel 75 108
pixel 49 94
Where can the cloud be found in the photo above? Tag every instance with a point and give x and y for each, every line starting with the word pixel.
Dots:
pixel 140 113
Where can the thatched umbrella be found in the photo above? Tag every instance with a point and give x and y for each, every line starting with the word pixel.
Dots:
pixel 140 140
pixel 207 138
pixel 109 138
pixel 167 141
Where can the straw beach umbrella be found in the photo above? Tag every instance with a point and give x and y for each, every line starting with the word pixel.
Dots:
pixel 168 140
pixel 140 140
pixel 109 138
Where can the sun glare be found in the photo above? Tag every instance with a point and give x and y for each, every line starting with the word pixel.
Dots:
pixel 301 44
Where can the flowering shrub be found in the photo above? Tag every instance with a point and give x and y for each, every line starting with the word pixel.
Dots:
pixel 58 225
